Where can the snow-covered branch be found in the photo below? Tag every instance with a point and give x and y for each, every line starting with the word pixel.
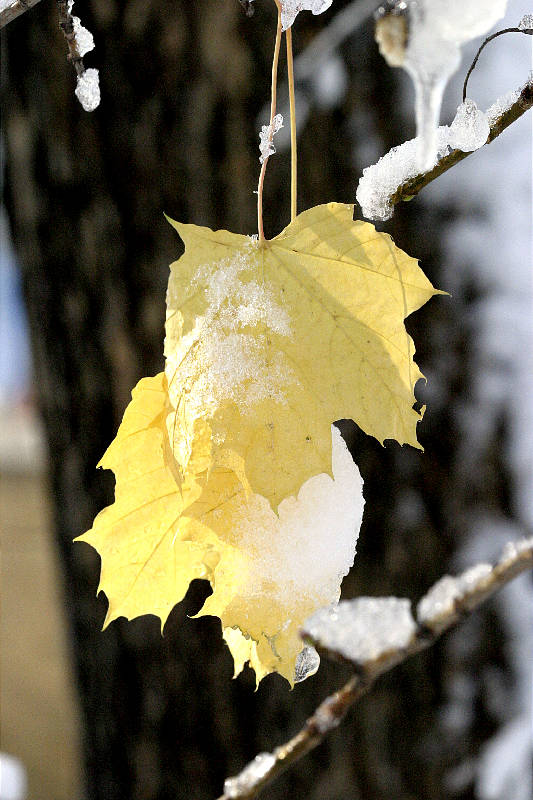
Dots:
pixel 522 103
pixel 374 635
pixel 11 9
pixel 395 177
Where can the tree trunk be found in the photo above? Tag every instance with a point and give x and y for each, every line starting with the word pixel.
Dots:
pixel 182 85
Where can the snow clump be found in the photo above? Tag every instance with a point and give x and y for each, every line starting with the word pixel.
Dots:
pixel 380 181
pixel 88 89
pixel 84 38
pixel 470 129
pixel 363 630
pixel 440 602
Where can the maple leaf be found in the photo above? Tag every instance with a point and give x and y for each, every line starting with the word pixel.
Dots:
pixel 147 563
pixel 268 572
pixel 270 343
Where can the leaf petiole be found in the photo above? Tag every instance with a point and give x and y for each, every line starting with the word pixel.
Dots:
pixel 272 115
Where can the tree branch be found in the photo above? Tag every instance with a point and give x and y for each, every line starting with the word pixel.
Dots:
pixel 66 24
pixel 448 601
pixel 412 186
pixel 11 9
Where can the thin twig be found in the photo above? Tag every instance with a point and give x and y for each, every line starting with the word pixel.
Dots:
pixel 11 9
pixel 485 43
pixel 272 115
pixel 330 713
pixel 411 187
pixel 292 105
pixel 67 26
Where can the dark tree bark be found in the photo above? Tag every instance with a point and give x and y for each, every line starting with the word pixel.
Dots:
pixel 182 84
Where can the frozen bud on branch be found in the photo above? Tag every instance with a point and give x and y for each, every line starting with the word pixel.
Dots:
pixel 266 137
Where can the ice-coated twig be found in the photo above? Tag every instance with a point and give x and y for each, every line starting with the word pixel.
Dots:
pixel 11 9
pixel 411 187
pixel 447 602
pixel 80 42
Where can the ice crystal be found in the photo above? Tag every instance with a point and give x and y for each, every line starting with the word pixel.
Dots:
pixel 526 23
pixel 307 664
pixel 266 137
pixel 291 8
pixel 470 128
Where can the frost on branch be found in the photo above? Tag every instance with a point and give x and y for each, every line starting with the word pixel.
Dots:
pixel 436 31
pixel 501 105
pixel 256 769
pixel 266 137
pixel 291 8
pixel 362 630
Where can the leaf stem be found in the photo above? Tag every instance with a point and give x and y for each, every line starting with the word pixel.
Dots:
pixel 272 115
pixel 292 103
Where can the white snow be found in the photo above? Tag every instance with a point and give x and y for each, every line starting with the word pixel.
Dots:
pixel 436 32
pixel 304 551
pixel 307 664
pixel 247 779
pixel 440 601
pixel 88 89
pixel 379 181
pixel 468 131
pixel 266 137
pixel 364 629
pixel 84 38
pixel 228 354
pixel 470 128
pixel 291 8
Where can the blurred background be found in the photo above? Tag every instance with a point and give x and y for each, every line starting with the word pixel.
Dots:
pixel 84 265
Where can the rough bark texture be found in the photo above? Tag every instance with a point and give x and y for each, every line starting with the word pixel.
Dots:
pixel 182 83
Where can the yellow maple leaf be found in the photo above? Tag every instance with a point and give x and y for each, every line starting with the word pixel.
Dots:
pixel 270 343
pixel 268 572
pixel 148 560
